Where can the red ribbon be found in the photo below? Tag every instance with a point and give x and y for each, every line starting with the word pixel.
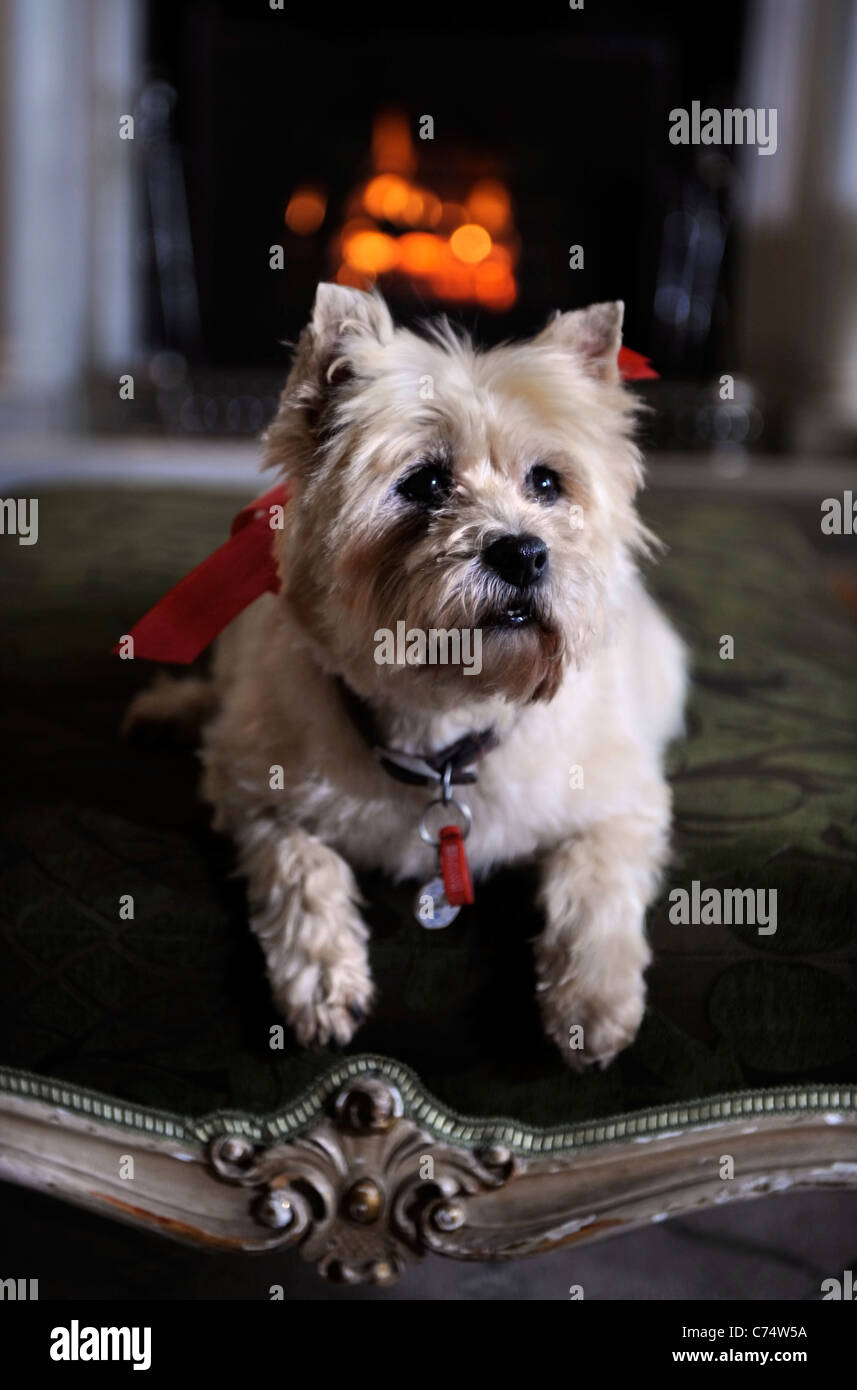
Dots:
pixel 188 618
pixel 634 366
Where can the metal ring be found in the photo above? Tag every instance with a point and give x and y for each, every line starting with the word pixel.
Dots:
pixel 446 792
pixel 459 806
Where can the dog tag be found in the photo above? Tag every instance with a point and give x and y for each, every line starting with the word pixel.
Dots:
pixel 431 908
pixel 454 867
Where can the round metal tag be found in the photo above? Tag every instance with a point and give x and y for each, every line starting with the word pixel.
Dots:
pixel 431 909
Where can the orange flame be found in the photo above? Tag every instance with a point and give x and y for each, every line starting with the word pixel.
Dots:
pixel 305 211
pixel 470 243
pixel 394 226
pixel 392 149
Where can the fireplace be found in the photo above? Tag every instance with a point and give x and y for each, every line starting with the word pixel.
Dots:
pixel 495 168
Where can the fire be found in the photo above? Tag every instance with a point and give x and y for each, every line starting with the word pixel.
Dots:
pixel 470 243
pixel 490 206
pixel 420 253
pixel 370 252
pixel 454 248
pixel 392 147
pixel 387 196
pixel 305 211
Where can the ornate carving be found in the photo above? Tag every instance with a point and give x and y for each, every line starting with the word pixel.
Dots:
pixel 364 1192
pixel 365 1171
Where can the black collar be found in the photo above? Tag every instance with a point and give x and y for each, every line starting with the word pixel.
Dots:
pixel 417 769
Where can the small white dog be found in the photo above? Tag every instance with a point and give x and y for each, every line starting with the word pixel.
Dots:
pixel 443 488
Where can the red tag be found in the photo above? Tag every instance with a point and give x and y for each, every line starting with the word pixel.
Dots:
pixel 457 882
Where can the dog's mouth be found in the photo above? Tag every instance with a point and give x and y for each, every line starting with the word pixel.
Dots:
pixel 512 618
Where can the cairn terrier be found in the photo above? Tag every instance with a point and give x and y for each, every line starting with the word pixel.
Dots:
pixel 435 488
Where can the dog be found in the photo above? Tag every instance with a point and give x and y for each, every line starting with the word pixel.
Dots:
pixel 446 488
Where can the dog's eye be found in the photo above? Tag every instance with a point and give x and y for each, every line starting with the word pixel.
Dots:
pixel 427 486
pixel 544 484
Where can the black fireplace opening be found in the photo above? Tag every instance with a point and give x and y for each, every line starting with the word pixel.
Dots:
pixel 493 167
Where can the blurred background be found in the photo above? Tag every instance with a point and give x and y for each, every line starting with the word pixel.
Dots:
pixel 454 158
pixel 454 155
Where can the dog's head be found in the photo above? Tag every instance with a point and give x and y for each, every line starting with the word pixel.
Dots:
pixel 444 488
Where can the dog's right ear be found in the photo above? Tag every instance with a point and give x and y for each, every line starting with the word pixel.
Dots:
pixel 341 318
pixel 340 312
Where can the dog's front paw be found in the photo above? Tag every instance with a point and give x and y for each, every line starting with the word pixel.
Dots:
pixel 337 1005
pixel 591 1022
pixel 325 1002
pixel 304 912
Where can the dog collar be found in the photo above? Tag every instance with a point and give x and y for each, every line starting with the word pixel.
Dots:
pixel 439 900
pixel 453 763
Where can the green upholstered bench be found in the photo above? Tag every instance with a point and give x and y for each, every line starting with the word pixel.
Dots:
pixel 450 1123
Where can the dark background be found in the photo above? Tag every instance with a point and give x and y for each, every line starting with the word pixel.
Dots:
pixel 570 108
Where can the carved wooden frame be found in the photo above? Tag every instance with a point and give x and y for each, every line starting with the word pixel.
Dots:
pixel 365 1172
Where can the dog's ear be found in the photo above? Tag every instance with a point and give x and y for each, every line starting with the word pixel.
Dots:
pixel 321 372
pixel 340 313
pixel 341 317
pixel 594 335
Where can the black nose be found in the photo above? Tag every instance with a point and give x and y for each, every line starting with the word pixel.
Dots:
pixel 520 560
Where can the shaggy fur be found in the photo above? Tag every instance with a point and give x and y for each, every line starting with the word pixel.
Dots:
pixel 595 680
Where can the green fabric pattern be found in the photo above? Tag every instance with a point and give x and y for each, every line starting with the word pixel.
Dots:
pixel 171 1010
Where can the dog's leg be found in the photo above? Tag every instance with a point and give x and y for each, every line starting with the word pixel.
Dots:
pixel 592 953
pixel 303 901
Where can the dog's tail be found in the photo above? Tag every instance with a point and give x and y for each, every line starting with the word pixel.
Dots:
pixel 185 704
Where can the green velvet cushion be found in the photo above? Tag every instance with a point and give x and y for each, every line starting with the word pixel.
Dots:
pixel 172 1010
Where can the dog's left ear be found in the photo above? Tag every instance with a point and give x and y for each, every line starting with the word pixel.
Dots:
pixel 594 335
